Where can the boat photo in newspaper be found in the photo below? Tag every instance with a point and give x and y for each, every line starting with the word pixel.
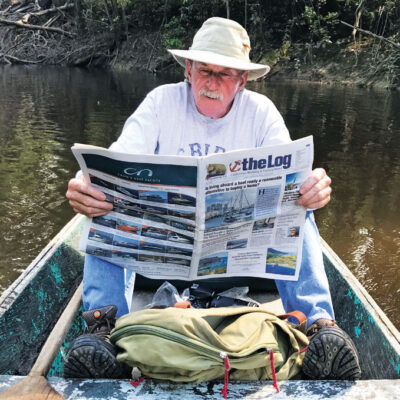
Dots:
pixel 154 218
pixel 179 250
pixel 119 202
pixel 95 180
pixel 151 258
pixel 156 196
pixel 180 225
pixel 122 241
pixel 281 262
pixel 295 180
pixel 231 207
pixel 105 220
pixel 176 237
pixel 213 265
pixel 181 199
pixel 128 226
pixel 123 256
pixel 156 233
pixel 154 247
pixel 98 252
pixel 264 223
pixel 237 244
pixel 100 236
pixel 153 210
pixel 186 214
pixel 127 191
pixel 131 213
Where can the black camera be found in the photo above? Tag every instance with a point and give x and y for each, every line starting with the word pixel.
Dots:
pixel 200 296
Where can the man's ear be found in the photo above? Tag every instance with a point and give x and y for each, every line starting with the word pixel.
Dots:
pixel 188 71
pixel 243 80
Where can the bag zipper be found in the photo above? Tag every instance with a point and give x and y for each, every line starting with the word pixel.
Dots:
pixel 160 332
pixel 175 337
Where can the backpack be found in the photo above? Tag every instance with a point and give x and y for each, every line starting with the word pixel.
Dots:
pixel 195 344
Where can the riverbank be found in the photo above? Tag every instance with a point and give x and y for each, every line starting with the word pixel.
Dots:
pixel 300 43
pixel 358 65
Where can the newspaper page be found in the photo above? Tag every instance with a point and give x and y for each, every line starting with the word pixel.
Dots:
pixel 253 224
pixel 176 217
pixel 151 229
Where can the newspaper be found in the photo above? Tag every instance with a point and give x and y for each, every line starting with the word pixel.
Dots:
pixel 191 218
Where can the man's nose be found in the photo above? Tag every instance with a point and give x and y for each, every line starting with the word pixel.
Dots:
pixel 213 82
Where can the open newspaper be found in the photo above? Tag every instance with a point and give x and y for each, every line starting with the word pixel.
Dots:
pixel 177 217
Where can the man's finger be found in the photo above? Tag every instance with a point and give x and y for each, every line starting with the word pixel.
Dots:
pixel 319 204
pixel 318 200
pixel 89 210
pixel 80 185
pixel 315 193
pixel 88 201
pixel 316 176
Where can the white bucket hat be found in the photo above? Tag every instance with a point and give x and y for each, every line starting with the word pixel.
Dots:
pixel 222 42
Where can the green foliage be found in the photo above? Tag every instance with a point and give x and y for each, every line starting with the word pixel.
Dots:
pixel 274 27
pixel 318 25
pixel 275 56
pixel 173 34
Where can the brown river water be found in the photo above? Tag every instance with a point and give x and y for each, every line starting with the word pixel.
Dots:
pixel 44 110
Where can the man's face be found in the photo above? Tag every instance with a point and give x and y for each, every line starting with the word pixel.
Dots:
pixel 214 87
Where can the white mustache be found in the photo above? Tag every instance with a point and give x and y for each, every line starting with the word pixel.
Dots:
pixel 211 94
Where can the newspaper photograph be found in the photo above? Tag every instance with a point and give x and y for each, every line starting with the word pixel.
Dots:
pixel 189 218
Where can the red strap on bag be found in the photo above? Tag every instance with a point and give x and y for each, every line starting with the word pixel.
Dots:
pixel 296 314
pixel 271 358
pixel 224 390
pixel 138 382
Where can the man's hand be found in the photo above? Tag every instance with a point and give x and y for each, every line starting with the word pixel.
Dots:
pixel 315 191
pixel 87 200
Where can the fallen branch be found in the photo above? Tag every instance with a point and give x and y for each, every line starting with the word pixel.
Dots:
pixel 6 57
pixel 26 17
pixel 5 11
pixel 37 27
pixel 371 34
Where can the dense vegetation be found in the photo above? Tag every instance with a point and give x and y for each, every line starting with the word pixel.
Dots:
pixel 324 38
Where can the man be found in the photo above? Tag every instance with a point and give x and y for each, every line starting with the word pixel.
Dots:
pixel 210 113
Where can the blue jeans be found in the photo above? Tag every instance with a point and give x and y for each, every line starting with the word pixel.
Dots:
pixel 104 283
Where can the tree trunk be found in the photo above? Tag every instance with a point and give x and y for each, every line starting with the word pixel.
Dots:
pixel 358 13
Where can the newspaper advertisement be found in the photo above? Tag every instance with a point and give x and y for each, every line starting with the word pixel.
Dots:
pixel 191 218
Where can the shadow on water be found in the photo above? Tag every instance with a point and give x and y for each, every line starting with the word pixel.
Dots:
pixel 44 110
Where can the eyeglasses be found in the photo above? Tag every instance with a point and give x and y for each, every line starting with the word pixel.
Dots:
pixel 221 76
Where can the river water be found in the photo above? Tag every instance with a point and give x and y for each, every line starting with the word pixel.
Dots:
pixel 44 110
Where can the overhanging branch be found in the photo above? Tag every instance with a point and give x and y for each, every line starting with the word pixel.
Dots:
pixel 36 27
pixel 371 34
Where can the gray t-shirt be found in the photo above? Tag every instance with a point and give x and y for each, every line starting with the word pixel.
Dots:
pixel 168 122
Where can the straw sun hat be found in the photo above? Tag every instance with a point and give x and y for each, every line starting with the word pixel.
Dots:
pixel 222 42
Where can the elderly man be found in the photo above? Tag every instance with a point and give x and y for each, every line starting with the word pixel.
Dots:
pixel 211 112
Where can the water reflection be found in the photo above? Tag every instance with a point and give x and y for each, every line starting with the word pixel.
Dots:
pixel 357 140
pixel 43 111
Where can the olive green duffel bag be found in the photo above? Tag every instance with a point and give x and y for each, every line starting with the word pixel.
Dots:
pixel 194 345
